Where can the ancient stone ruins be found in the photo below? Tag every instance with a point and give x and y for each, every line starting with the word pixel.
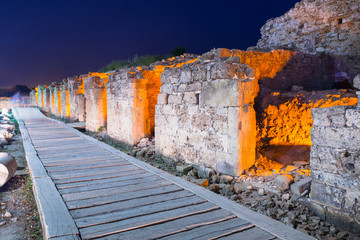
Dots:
pixel 219 109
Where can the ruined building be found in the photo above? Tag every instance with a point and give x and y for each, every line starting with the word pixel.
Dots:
pixel 293 92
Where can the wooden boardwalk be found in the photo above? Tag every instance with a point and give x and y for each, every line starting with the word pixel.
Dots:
pixel 88 190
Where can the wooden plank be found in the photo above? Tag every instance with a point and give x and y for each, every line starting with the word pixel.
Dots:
pixel 65 147
pixel 138 212
pixel 67 237
pixel 78 190
pixel 91 172
pixel 143 221
pixel 139 185
pixel 209 231
pixel 100 176
pixel 96 201
pixel 83 161
pixel 104 181
pixel 77 160
pixel 55 217
pixel 59 153
pixel 133 203
pixel 97 164
pixel 169 227
pixel 252 233
pixel 75 155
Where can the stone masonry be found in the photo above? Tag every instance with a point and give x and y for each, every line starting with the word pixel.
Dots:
pixel 96 104
pixel 132 94
pixel 335 166
pixel 65 103
pixel 319 27
pixel 205 114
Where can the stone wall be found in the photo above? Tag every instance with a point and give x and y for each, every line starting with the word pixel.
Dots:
pixel 33 98
pixel 318 27
pixel 335 166
pixel 65 100
pixel 41 96
pixel 205 114
pixel 131 98
pixel 286 119
pixel 75 87
pixel 57 100
pixel 96 103
pixel 280 70
pixel 47 99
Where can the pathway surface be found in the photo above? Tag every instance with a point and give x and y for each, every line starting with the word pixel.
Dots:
pixel 86 189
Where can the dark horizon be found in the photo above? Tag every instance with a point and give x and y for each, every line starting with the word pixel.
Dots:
pixel 44 42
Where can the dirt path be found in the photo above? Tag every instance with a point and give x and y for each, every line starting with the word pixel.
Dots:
pixel 18 212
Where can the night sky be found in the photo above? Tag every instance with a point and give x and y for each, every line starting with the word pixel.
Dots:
pixel 46 41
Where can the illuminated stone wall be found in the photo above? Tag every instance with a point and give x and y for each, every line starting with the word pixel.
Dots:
pixel 335 166
pixel 132 94
pixel 33 98
pixel 41 96
pixel 65 102
pixel 75 87
pixel 47 99
pixel 57 100
pixel 205 115
pixel 286 117
pixel 96 103
pixel 318 27
pixel 280 70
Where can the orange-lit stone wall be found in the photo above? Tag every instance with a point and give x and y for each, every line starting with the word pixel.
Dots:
pixel 279 70
pixel 132 94
pixel 40 99
pixel 205 114
pixel 96 102
pixel 52 99
pixel 47 99
pixel 286 117
pixel 33 98
pixel 57 100
pixel 65 103
pixel 75 87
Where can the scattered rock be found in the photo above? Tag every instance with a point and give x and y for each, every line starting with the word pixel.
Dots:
pixel 226 179
pixel 290 168
pixel 301 186
pixel 215 178
pixel 286 196
pixel 204 172
pixel 184 169
pixel 2 223
pixel 282 182
pixel 261 191
pixel 7 214
pixel 202 182
pixel 141 153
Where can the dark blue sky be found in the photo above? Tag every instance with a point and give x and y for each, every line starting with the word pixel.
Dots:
pixel 46 41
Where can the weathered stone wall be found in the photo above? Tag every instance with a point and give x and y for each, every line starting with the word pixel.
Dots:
pixel 286 119
pixel 132 94
pixel 65 102
pixel 33 98
pixel 335 166
pixel 280 70
pixel 205 114
pixel 57 100
pixel 75 87
pixel 41 96
pixel 47 99
pixel 96 103
pixel 319 26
